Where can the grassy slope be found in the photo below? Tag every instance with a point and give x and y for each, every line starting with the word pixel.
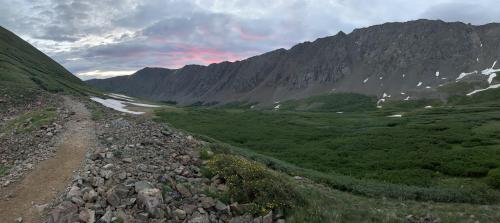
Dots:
pixel 24 70
pixel 445 150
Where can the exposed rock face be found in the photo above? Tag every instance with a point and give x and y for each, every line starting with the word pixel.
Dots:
pixel 392 58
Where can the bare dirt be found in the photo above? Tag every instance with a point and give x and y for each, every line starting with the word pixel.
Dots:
pixel 51 176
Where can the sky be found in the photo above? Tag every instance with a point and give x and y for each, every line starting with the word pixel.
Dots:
pixel 105 38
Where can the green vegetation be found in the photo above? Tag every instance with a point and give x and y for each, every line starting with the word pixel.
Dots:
pixel 3 170
pixel 25 71
pixel 30 121
pixel 342 102
pixel 326 205
pixel 206 154
pixel 317 203
pixel 494 178
pixel 440 154
pixel 250 182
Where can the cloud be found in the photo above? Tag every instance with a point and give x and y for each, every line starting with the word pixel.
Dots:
pixel 471 12
pixel 102 38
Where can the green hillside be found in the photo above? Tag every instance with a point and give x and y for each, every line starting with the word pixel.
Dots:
pixel 25 71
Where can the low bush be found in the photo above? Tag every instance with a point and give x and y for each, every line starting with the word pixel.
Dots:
pixel 251 182
pixel 3 170
pixel 494 178
pixel 206 154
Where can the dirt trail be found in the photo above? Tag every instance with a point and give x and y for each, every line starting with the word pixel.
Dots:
pixel 53 175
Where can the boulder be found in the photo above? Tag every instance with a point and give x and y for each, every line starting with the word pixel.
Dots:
pixel 141 185
pixel 64 212
pixel 150 199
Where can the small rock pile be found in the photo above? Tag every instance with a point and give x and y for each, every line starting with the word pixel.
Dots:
pixel 144 172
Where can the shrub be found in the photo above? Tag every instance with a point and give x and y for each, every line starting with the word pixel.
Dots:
pixel 206 154
pixel 251 182
pixel 494 178
pixel 3 170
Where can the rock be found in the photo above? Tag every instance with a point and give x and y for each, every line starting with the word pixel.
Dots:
pixel 189 208
pixel 108 166
pixel 87 216
pixel 219 206
pixel 115 195
pixel 257 219
pixel 199 218
pixel 106 174
pixel 180 214
pixel 207 202
pixel 149 199
pixel 141 185
pixel 280 221
pixel 268 218
pixel 64 212
pixel 40 208
pixel 183 190
pixel 106 218
pixel 74 192
pixel 127 160
pixel 298 178
pixel 122 175
pixel 19 220
pixel 77 200
pixel 90 196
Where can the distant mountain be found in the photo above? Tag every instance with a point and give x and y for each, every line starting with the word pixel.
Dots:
pixel 25 71
pixel 392 61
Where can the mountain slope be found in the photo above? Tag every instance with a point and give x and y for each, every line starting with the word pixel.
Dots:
pixel 24 70
pixel 392 60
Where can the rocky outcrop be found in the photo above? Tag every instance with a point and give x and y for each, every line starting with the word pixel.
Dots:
pixel 400 60
pixel 145 172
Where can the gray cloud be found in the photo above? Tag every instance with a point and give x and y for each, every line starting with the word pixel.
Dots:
pixel 470 12
pixel 124 35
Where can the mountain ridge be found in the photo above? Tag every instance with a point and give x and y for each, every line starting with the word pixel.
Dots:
pixel 391 61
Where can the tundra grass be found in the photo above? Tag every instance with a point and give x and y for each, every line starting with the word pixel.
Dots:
pixel 442 149
pixel 30 121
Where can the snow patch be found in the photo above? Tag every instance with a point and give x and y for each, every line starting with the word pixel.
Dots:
pixel 428 87
pixel 437 73
pixel 479 90
pixel 339 112
pixel 366 80
pixel 395 116
pixel 462 75
pixel 419 84
pixel 403 93
pixel 407 98
pixel 277 107
pixel 490 72
pixel 115 104
pixel 428 106
pixel 143 105
pixel 382 77
pixel 404 75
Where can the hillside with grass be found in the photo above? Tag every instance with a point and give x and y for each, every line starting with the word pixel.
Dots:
pixel 26 71
pixel 418 150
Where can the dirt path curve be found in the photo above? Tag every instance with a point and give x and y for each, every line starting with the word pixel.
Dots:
pixel 51 176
